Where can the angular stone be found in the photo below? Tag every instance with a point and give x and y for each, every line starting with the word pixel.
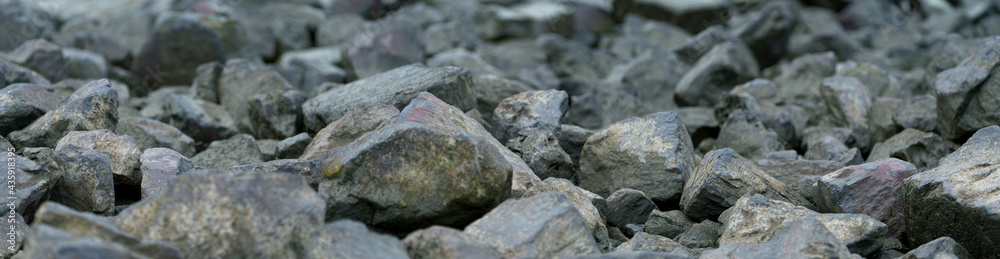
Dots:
pixel 767 29
pixel 701 235
pixel 966 94
pixel 541 151
pixel 724 66
pixel 381 46
pixel 525 20
pixel 745 133
pixel 87 184
pixel 591 206
pixel 655 74
pixel 240 85
pixel 337 29
pixel 292 147
pixel 598 103
pixel 122 152
pixel 543 109
pixel 849 103
pixel 180 43
pixel 67 231
pixel 918 113
pixel 22 104
pixel 796 239
pixel 632 255
pixel 693 16
pixel 546 225
pixel 923 149
pixel 943 247
pixel 239 150
pixel 309 69
pixel 962 186
pixel 159 166
pixel 42 56
pixel 93 107
pixel 374 181
pixel 652 154
pixel 723 176
pixel 363 118
pixel 311 170
pixel 217 215
pixel 572 141
pixel 573 59
pixel 700 122
pixel 24 23
pixel 492 89
pixel 395 87
pixel 14 73
pixel 874 189
pixel 149 133
pixel 799 79
pixel 203 121
pixel 352 239
pixel 643 241
pixel 33 182
pixel 799 175
pixel 879 82
pixel 829 148
pixel 84 64
pixel 445 36
pixel 756 220
pixel 463 58
pixel 23 231
pixel 277 114
pixel 668 223
pixel 628 206
pixel 444 242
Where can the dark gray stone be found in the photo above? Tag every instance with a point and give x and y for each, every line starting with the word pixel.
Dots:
pixel 668 224
pixel 541 151
pixel 87 183
pixel 655 74
pixel 643 241
pixel 524 20
pixel 745 133
pixel 918 113
pixel 292 147
pixel 445 36
pixel 21 104
pixel 850 105
pixel 540 109
pixel 84 64
pixel 277 114
pixel 628 206
pixel 545 225
pixel 572 141
pixel 724 66
pixel 149 133
pixel 966 94
pixel 311 170
pixel 444 242
pixel 122 152
pixel 798 239
pixel 203 121
pixel 632 255
pixel 923 149
pixel 701 235
pixel 42 56
pixel 352 239
pixel 260 101
pixel 692 16
pixel 829 148
pixel 799 175
pixel 381 46
pixel 68 232
pixel 359 120
pixel 239 150
pixel 941 247
pixel 93 107
pixel 33 181
pixel 766 29
pixel 492 89
pixel 592 207
pixel 181 42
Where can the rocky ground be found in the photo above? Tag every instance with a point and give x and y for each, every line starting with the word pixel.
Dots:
pixel 500 128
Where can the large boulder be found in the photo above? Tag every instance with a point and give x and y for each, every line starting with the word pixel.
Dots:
pixel 122 152
pixel 874 189
pixel 722 177
pixel 351 239
pixel 93 107
pixel 544 226
pixel 966 94
pixel 961 187
pixel 215 214
pixel 395 87
pixel 796 239
pixel 543 109
pixel 22 104
pixel 652 154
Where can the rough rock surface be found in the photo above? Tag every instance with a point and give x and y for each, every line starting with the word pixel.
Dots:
pixel 796 239
pixel 363 118
pixel 943 247
pixel 149 133
pixel 93 107
pixel 444 242
pixel 122 152
pixel 159 166
pixel 545 225
pixel 922 149
pixel 351 239
pixel 541 151
pixel 21 104
pixel 530 110
pixel 966 94
pixel 628 206
pixel 87 183
pixel 239 150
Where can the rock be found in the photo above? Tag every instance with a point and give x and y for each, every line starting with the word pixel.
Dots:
pixel 84 64
pixel 122 152
pixel 849 103
pixel 798 238
pixel 943 247
pixel 799 175
pixel 599 103
pixel 23 231
pixel 463 180
pixel 203 121
pixel 545 225
pixel 66 230
pixel 701 235
pixel 239 150
pixel 858 15
pixel 525 20
pixel 259 99
pixel 879 82
pixel 632 255
pixel 591 206
pixel 725 65
pixel 829 148
pixel 542 109
pixel 798 79
pixel 541 151
pixel 648 242
pixel 277 114
pixel 444 242
pixel 767 29
pixel 917 113
pixel 572 59
pixel 641 34
pixel 337 29
pixel 445 36
pixel 463 58
pixel 923 149
pixel 628 206
pixel 180 42
pixel 351 239
pixel 87 182
pixel 311 170
pixel 93 107
pixel 363 118
pixel 960 187
pixel 700 122
pixel 33 182
pixel 655 74
pixel 42 56
pixel 631 229
pixel 218 215
pixel 309 69
pixel 723 176
pixel 24 24
pixel 206 82
pixel 14 73
pixel 963 95
pixel 159 166
pixel 395 87
pixel 292 147
pixel 621 156
pixel 874 189
pixel 149 133
pixel 21 104
pixel 668 224
pixel 692 16
pixel 491 90
pixel 519 59
pixel 572 141
pixel 745 133
pixel 756 220
pixel 382 46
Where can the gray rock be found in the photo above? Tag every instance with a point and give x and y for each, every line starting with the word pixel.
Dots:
pixel 107 47
pixel 491 90
pixel 363 118
pixel 869 14
pixel 206 82
pixel 54 219
pixel 395 87
pixel 628 206
pixel 701 235
pixel 632 255
pixel 14 73
pixel 149 133
pixel 542 109
pixel 799 79
pixel 87 183
pixel 444 36
pixel 745 133
pixel 923 149
pixel 668 223
pixel 541 151
pixel 203 121
pixel 918 113
pixel 724 66
pixel 84 64
pixel 880 119
pixel 829 148
pixel 850 104
pixel 159 166
pixel 767 29
pixel 218 215
pixel 591 206
pixel 700 122
pixel 799 175
pixel 641 34
pixel 311 170
pixel 959 187
pixel 463 58
pixel 524 20
pixel 42 56
pixel 798 238
pixel 756 220
pixel 309 69
pixel 33 182
pixel 239 150
pixel 181 42
pixel 573 59
pixel 21 104
pixel 381 46
pixel 693 16
pixel 24 23
pixel 652 154
pixel 655 74
pixel 444 242
pixel 943 247
pixel 572 141
pixel 520 59
pixel 648 242
pixel 292 147
pixel 122 152
pixel 723 176
pixel 879 82
pixel 351 239
pixel 874 189
pixel 337 29
pixel 545 225
pixel 599 103
pixel 22 232
pixel 963 95
pixel 93 107
pixel 277 114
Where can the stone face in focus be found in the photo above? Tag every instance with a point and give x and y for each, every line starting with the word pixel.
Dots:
pixel 351 239
pixel 159 166
pixel 122 152
pixel 796 239
pixel 239 150
pixel 668 223
pixel 542 109
pixel 962 187
pixel 874 189
pixel 544 226
pixel 628 206
pixel 652 154
pixel 93 107
pixel 88 183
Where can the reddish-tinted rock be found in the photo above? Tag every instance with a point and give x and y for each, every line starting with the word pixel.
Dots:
pixel 874 189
